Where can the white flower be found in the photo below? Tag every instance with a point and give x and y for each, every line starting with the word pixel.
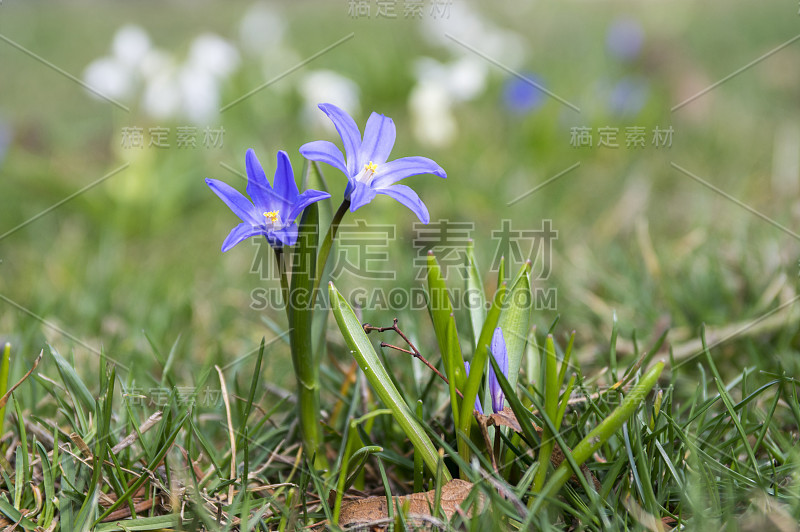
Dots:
pixel 463 79
pixel 469 26
pixel 109 77
pixel 117 75
pixel 261 29
pixel 432 119
pixel 162 97
pixel 213 54
pixel 131 44
pixel 167 89
pixel 200 94
pixel 327 86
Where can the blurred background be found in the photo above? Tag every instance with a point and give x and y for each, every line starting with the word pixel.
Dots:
pixel 113 113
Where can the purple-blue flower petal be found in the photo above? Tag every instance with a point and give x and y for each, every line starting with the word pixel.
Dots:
pixel 304 200
pixel 393 171
pixel 243 231
pixel 409 198
pixel 324 152
pixel 351 185
pixel 285 187
pixel 477 401
pixel 379 137
pixel 287 236
pixel 348 130
pixel 498 350
pixel 234 199
pixel 361 195
pixel 258 188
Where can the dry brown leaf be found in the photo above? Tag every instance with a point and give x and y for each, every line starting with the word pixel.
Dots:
pixel 371 509
pixel 506 418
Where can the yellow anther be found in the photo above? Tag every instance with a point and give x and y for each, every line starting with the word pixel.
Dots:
pixel 272 216
pixel 371 167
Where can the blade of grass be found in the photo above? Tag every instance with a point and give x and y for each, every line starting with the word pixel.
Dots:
pixel 600 434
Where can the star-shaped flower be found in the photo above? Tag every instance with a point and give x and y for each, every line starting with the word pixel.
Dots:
pixel 365 161
pixel 273 208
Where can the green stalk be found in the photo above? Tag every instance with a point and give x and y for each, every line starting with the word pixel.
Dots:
pixel 280 259
pixel 327 243
pixel 299 312
pixel 300 300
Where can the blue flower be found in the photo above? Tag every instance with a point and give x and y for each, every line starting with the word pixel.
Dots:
pixel 498 351
pixel 625 38
pixel 520 96
pixel 628 96
pixel 364 161
pixel 273 209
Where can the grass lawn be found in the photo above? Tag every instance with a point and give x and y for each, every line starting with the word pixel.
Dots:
pixel 622 201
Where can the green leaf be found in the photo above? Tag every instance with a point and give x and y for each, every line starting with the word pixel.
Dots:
pixel 103 416
pixel 141 524
pixel 444 325
pixel 166 372
pixel 73 383
pixel 15 515
pixel 475 296
pixel 601 433
pixel 515 321
pixel 441 310
pixel 4 365
pixel 48 479
pixel 551 389
pixel 376 374
pixel 478 364
pixel 166 445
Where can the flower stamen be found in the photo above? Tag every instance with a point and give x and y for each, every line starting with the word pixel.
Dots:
pixel 365 176
pixel 272 216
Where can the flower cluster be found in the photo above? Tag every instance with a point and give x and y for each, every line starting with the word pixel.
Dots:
pixel 274 208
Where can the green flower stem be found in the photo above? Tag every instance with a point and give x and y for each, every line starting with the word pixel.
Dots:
pixel 300 302
pixel 327 244
pixel 299 312
pixel 601 434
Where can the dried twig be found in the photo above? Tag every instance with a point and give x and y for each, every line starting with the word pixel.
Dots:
pixel 4 399
pixel 128 440
pixel 413 352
